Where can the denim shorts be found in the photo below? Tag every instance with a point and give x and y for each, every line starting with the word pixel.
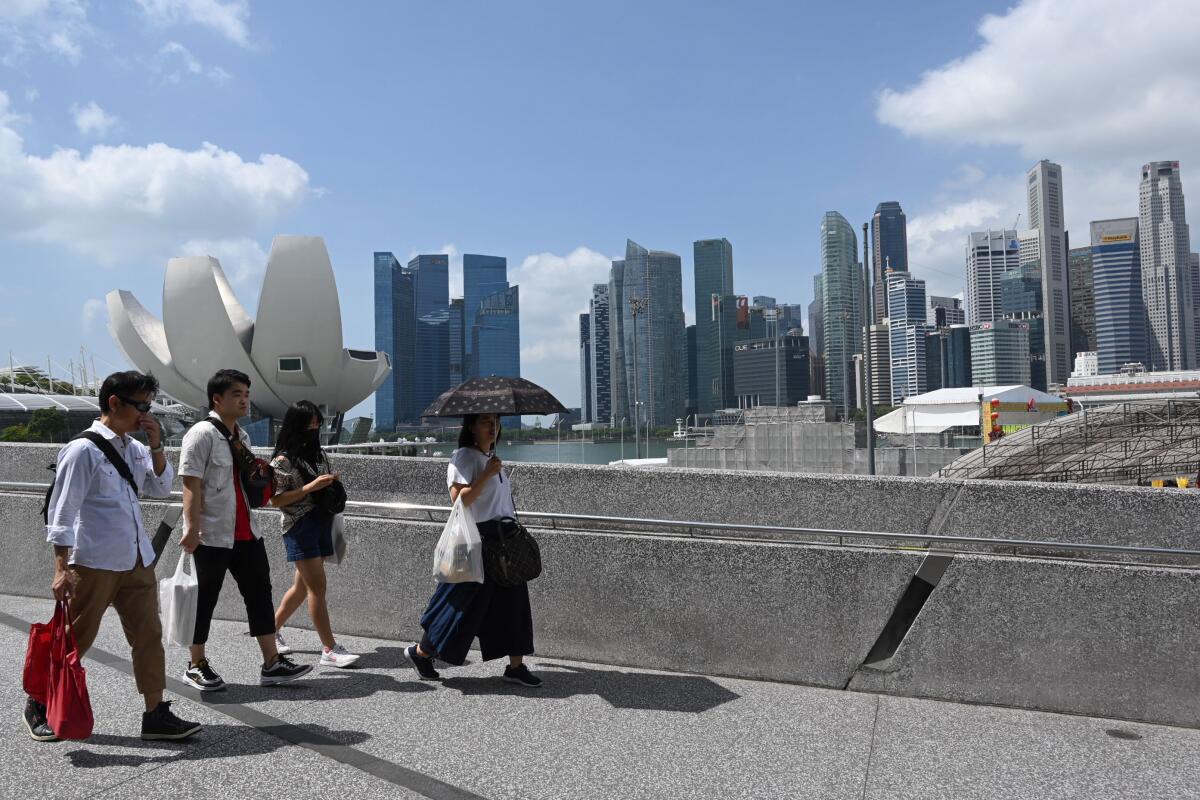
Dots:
pixel 310 537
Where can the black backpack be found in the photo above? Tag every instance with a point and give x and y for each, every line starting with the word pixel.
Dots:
pixel 110 453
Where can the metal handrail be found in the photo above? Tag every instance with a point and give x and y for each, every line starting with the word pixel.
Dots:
pixel 725 527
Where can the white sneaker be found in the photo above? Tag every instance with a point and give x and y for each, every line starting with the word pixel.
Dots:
pixel 281 645
pixel 338 657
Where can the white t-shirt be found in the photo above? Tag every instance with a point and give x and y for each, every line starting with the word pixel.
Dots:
pixel 493 500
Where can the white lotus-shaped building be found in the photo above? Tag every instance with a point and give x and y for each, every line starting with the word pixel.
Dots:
pixel 292 351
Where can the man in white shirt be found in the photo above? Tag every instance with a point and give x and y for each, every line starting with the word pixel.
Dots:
pixel 102 554
pixel 219 530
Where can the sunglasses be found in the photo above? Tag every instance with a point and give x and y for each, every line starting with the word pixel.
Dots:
pixel 141 407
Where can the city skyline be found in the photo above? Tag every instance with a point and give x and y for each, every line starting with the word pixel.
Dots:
pixel 128 102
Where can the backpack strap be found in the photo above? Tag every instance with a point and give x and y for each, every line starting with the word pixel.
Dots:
pixel 109 452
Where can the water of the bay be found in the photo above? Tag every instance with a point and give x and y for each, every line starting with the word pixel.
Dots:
pixel 570 451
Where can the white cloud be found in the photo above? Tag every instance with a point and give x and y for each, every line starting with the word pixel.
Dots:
pixel 93 309
pixel 554 291
pixel 227 18
pixel 1099 86
pixel 173 60
pixel 55 26
pixel 125 203
pixel 92 120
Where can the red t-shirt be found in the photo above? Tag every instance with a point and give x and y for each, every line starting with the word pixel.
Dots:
pixel 241 523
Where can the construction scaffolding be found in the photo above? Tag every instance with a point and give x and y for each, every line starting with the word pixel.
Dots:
pixel 1131 443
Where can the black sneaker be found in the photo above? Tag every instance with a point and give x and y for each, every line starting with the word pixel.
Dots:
pixel 282 670
pixel 521 674
pixel 162 724
pixel 423 665
pixel 202 676
pixel 35 720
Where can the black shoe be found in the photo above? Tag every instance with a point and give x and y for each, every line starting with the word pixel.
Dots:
pixel 282 670
pixel 423 665
pixel 162 724
pixel 202 676
pixel 35 720
pixel 521 674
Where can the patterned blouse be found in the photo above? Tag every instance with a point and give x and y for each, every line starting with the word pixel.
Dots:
pixel 288 478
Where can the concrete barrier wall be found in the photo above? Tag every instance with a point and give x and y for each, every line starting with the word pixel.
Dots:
pixel 1112 641
pixel 783 612
pixel 1046 511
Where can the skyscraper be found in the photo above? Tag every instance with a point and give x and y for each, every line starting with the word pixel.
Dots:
pixel 881 363
pixel 889 249
pixel 601 357
pixel 394 335
pixel 906 335
pixel 989 255
pixel 1083 299
pixel 1117 278
pixel 496 334
pixel 657 375
pixel 1166 268
pixel 692 404
pixel 842 307
pixel 458 339
pixel 431 293
pixel 482 276
pixel 1021 301
pixel 1046 216
pixel 946 311
pixel 1000 353
pixel 586 394
pixel 715 331
pixel 816 313
pixel 619 402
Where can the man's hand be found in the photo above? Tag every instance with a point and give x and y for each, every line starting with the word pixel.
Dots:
pixel 152 429
pixel 191 540
pixel 63 584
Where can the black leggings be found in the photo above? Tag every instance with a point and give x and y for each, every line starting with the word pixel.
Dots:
pixel 247 563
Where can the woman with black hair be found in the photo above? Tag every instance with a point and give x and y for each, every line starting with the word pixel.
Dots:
pixel 458 612
pixel 301 469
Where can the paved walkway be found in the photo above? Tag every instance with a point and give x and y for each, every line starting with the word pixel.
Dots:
pixel 592 732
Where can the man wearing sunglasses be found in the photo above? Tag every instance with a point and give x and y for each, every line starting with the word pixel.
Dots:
pixel 102 554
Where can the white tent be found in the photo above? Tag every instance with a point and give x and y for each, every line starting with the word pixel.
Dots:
pixel 943 409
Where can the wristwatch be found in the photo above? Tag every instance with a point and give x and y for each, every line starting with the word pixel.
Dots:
pixel 158 449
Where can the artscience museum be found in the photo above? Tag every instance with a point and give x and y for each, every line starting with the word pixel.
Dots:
pixel 292 349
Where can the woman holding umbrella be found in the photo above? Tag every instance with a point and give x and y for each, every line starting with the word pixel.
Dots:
pixel 458 613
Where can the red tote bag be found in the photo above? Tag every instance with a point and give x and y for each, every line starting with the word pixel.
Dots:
pixel 68 708
pixel 36 678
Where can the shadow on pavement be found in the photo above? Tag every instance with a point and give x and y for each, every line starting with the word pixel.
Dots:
pixel 393 658
pixel 693 694
pixel 348 685
pixel 204 745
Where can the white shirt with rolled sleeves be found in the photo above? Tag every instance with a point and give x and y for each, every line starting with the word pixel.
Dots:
pixel 493 500
pixel 95 511
pixel 205 454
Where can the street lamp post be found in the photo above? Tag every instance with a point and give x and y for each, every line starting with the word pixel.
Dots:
pixel 637 305
pixel 623 421
pixel 558 430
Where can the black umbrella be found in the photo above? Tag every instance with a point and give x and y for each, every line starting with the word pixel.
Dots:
pixel 494 395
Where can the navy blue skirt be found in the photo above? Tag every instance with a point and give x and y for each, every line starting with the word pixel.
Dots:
pixel 499 616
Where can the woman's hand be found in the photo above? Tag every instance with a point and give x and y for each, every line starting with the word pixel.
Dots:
pixel 318 483
pixel 494 465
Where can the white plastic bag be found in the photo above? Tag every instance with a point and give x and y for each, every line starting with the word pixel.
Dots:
pixel 339 540
pixel 459 554
pixel 178 598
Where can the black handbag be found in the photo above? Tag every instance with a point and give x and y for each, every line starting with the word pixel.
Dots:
pixel 331 499
pixel 512 556
pixel 256 475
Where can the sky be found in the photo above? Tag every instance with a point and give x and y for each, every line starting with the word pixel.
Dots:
pixel 132 131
